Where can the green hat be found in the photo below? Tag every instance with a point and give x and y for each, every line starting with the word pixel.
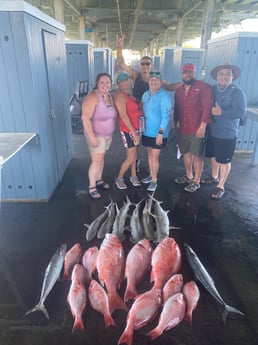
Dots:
pixel 122 76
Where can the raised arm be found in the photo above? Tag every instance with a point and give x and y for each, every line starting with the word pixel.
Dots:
pixel 120 58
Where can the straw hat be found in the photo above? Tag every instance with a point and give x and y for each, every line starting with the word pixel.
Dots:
pixel 235 69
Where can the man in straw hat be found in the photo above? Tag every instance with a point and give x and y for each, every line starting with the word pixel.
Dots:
pixel 229 107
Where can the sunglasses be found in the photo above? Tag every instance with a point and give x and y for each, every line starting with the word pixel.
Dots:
pixel 145 63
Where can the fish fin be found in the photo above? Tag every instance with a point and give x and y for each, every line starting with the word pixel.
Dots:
pixel 86 225
pixel 109 321
pixel 228 309
pixel 155 333
pixel 126 337
pixel 130 294
pixel 38 307
pixel 78 324
pixel 188 318
pixel 115 302
pixel 174 227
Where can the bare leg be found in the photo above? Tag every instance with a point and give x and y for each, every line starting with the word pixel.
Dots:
pixel 188 164
pixel 154 163
pixel 96 168
pixel 130 161
pixel 224 170
pixel 198 167
pixel 214 168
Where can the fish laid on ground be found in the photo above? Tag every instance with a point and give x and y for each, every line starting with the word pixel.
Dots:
pixel 77 299
pixel 94 226
pixel 203 276
pixel 172 314
pixel 161 220
pixel 79 272
pixel 89 260
pixel 72 257
pixel 110 267
pixel 139 256
pixel 98 300
pixel 172 286
pixel 120 220
pixel 107 225
pixel 52 273
pixel 137 232
pixel 192 295
pixel 166 260
pixel 143 310
pixel 148 222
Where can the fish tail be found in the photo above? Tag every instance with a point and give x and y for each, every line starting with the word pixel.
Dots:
pixel 130 293
pixel 188 318
pixel 109 321
pixel 66 276
pixel 38 307
pixel 228 309
pixel 155 333
pixel 115 302
pixel 126 337
pixel 78 324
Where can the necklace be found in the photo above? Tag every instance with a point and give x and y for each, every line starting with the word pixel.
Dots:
pixel 222 90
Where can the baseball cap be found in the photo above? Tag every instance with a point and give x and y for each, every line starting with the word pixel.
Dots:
pixel 188 67
pixel 155 74
pixel 122 76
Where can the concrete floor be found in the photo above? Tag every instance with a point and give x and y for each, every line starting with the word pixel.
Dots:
pixel 223 233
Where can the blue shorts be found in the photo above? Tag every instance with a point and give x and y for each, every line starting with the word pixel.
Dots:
pixel 221 149
pixel 151 142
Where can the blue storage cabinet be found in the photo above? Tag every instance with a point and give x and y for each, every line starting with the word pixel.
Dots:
pixel 110 62
pixel 80 64
pixel 33 99
pixel 156 63
pixel 187 55
pixel 166 63
pixel 240 49
pixel 100 61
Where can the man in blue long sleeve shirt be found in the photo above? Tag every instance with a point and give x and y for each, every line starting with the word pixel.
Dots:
pixel 228 109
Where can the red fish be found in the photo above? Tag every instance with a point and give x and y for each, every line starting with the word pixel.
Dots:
pixel 140 256
pixel 72 257
pixel 77 300
pixel 79 272
pixel 166 260
pixel 89 260
pixel 143 310
pixel 110 267
pixel 172 286
pixel 98 300
pixel 192 295
pixel 172 314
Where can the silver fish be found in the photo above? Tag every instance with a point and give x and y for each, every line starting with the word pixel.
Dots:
pixel 161 220
pixel 148 222
pixel 120 220
pixel 106 226
pixel 52 273
pixel 203 276
pixel 137 232
pixel 94 226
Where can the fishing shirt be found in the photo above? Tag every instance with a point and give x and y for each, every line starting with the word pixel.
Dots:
pixel 157 110
pixel 232 101
pixel 133 110
pixel 104 117
pixel 193 107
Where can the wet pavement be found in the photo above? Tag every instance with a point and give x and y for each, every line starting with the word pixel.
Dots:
pixel 224 234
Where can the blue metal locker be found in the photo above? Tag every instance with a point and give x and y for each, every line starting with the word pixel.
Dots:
pixel 166 63
pixel 33 65
pixel 185 55
pixel 156 63
pixel 100 61
pixel 80 64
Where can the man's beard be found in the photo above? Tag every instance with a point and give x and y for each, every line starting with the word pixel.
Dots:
pixel 189 82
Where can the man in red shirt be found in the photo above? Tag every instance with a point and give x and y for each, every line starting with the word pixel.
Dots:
pixel 193 102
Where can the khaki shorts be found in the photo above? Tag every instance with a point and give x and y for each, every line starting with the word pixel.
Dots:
pixel 104 144
pixel 190 143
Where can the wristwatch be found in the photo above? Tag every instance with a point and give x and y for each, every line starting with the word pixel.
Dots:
pixel 161 131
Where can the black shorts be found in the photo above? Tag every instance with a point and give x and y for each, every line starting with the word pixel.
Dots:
pixel 221 149
pixel 128 140
pixel 151 142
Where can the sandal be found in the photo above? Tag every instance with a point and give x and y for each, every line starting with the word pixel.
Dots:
pixel 93 193
pixel 209 180
pixel 102 185
pixel 218 193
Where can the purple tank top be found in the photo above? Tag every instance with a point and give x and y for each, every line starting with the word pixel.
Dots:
pixel 104 118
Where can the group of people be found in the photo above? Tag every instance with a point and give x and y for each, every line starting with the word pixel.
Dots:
pixel 205 117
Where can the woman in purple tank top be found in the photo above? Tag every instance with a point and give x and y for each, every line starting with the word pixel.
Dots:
pixel 99 120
